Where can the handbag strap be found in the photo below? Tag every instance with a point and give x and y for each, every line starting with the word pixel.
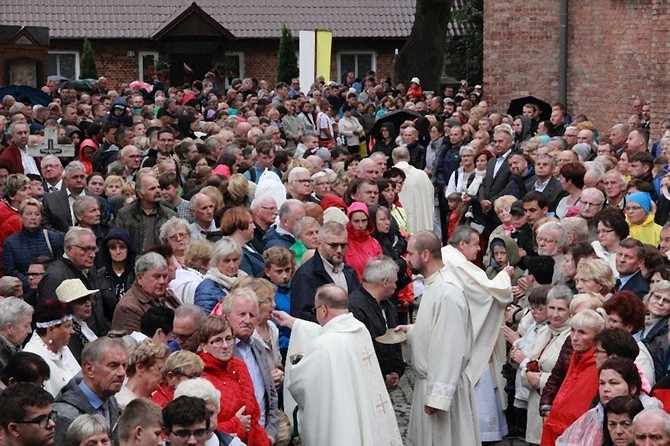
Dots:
pixel 46 237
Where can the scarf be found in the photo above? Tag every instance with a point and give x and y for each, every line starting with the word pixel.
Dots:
pixel 224 281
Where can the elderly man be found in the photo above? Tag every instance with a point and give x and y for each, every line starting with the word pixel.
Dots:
pixel 282 234
pixel 299 185
pixel 77 263
pixel 487 299
pixel 545 181
pixel 497 173
pixel 440 416
pixel 143 218
pixel 87 214
pixel 552 238
pixel 618 135
pixel 241 309
pixel 11 286
pixel 202 209
pixel 417 152
pixel 15 156
pixel 321 186
pixel 614 184
pixel 590 204
pixel 651 427
pixel 417 192
pixel 570 136
pixel 370 305
pixel 131 157
pixel 367 169
pixel 26 418
pixel 149 290
pixel 264 212
pixel 359 412
pixel 103 363
pixel 58 207
pixel 15 318
pixel 187 321
pixel 326 266
pixel 52 172
pixel 586 136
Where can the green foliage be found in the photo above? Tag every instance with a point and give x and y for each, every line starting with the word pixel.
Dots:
pixel 287 61
pixel 465 54
pixel 87 69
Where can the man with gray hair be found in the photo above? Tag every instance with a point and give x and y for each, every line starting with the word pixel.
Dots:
pixel 590 204
pixel 52 172
pixel 367 169
pixel 15 156
pixel 299 186
pixel 202 210
pixel 149 290
pixel 326 266
pixel 15 318
pixel 417 192
pixel 131 157
pixel 652 427
pixel 370 305
pixel 187 321
pixel 57 209
pixel 77 263
pixel 552 238
pixel 103 364
pixel 11 286
pixel 282 234
pixel 264 212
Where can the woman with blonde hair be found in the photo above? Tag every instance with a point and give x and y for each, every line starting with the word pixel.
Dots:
pixel 144 372
pixel 594 275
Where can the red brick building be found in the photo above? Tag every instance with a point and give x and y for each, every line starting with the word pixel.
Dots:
pixel 616 50
pixel 240 37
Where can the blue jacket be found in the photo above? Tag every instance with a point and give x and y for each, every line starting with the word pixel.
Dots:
pixel 273 238
pixel 22 247
pixel 283 303
pixel 208 294
pixel 252 262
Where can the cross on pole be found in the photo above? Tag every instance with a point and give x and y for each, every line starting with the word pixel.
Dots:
pixel 51 146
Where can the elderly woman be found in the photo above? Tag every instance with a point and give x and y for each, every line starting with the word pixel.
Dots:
pixel 535 369
pixel 17 190
pixel 458 181
pixel 580 380
pixel 361 245
pixel 149 290
pixel 306 232
pixel 611 229
pixel 144 372
pixel 205 390
pixel 654 335
pixel 640 212
pixel 239 412
pixel 625 310
pixel 594 276
pixel 15 317
pixel 238 224
pixel 176 234
pixel 30 242
pixel 188 277
pixel 224 270
pixel 88 430
pixel 180 366
pixel 53 328
pixel 572 181
pixel 78 299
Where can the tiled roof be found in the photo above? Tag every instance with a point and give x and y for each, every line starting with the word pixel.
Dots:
pixel 132 19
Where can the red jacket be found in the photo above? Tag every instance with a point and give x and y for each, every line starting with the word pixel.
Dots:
pixel 12 158
pixel 574 396
pixel 162 396
pixel 233 380
pixel 10 223
pixel 361 245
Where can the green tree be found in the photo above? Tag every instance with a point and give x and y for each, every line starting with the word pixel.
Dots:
pixel 87 68
pixel 465 53
pixel 422 54
pixel 287 61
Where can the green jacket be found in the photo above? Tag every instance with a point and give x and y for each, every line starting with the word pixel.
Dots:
pixel 130 218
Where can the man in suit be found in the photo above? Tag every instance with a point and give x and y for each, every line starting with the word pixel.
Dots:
pixel 545 182
pixel 629 260
pixel 15 156
pixel 241 309
pixel 497 173
pixel 58 211
pixel 52 172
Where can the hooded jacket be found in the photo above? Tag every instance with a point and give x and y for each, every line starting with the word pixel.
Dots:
pixel 123 282
pixel 125 119
pixel 362 246
pixel 513 258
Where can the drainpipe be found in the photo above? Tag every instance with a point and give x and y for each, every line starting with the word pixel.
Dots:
pixel 563 54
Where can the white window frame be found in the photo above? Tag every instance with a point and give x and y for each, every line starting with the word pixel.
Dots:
pixel 340 74
pixel 76 62
pixel 239 54
pixel 140 61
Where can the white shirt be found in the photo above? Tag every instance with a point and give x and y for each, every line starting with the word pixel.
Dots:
pixel 499 161
pixel 28 162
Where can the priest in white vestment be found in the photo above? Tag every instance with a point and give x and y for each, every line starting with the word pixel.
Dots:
pixel 441 342
pixel 416 194
pixel 336 381
pixel 487 300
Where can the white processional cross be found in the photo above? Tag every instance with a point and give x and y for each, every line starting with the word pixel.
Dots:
pixel 50 146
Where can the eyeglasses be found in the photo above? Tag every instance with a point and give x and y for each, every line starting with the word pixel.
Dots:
pixel 42 421
pixel 586 203
pixel 218 342
pixel 87 249
pixel 546 240
pixel 660 299
pixel 178 236
pixel 268 208
pixel 335 245
pixel 302 181
pixel 191 376
pixel 182 336
pixel 186 434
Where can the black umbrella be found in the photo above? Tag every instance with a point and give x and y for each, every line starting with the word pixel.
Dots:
pixel 80 85
pixel 23 93
pixel 516 106
pixel 396 117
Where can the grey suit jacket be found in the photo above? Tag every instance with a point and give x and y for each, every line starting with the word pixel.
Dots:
pixel 56 210
pixel 492 187
pixel 271 408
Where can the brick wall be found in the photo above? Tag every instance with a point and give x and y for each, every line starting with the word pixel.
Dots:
pixel 617 49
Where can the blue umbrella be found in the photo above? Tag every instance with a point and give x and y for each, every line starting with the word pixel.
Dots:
pixel 23 93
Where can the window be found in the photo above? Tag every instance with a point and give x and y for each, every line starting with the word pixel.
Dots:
pixel 64 63
pixel 230 66
pixel 359 63
pixel 147 66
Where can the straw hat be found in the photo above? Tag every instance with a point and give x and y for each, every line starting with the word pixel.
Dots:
pixel 72 289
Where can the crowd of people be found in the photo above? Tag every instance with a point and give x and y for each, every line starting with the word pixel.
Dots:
pixel 239 266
